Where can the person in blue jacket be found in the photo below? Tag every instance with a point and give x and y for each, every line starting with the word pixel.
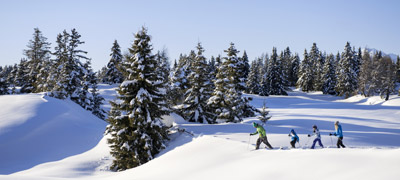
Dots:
pixel 317 136
pixel 339 133
pixel 294 138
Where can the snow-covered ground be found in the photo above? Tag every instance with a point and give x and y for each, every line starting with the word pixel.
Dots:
pixel 59 140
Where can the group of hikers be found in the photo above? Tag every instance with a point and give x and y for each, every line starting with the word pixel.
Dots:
pixel 294 138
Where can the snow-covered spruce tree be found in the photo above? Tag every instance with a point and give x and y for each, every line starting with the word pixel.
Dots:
pixel 227 100
pixel 113 74
pixel 164 67
pixel 346 76
pixel 318 75
pixel 365 83
pixel 263 117
pixel 95 99
pixel 137 133
pixel 314 59
pixel 294 70
pixel 212 71
pixel 398 69
pixel 3 83
pixel 387 71
pixel 243 71
pixel 253 80
pixel 21 73
pixel 264 71
pixel 275 78
pixel 195 107
pixel 329 76
pixel 305 81
pixel 37 53
pixel 286 60
pixel 178 81
pixel 59 77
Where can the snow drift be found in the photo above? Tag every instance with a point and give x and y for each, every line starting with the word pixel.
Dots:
pixel 36 129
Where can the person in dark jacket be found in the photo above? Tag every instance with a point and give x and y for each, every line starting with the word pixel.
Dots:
pixel 262 137
pixel 339 133
pixel 294 138
pixel 317 136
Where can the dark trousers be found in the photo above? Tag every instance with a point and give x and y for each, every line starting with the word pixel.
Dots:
pixel 264 140
pixel 293 143
pixel 315 141
pixel 340 142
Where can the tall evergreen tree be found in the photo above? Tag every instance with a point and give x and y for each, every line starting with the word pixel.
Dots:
pixel 113 74
pixel 253 80
pixel 294 70
pixel 275 78
pixel 347 76
pixel 305 81
pixel 22 71
pixel 387 71
pixel 365 80
pixel 243 71
pixel 137 133
pixel 329 76
pixel 227 100
pixel 195 103
pixel 315 61
pixel 3 82
pixel 398 69
pixel 37 54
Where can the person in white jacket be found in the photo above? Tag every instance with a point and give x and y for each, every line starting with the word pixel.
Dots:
pixel 317 136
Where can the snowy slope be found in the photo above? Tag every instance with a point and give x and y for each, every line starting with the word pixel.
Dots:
pixel 36 129
pixel 371 129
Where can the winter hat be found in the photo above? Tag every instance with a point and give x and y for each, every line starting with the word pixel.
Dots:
pixel 314 126
pixel 255 124
pixel 292 131
pixel 337 122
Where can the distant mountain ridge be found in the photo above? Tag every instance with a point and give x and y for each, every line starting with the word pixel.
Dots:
pixel 373 51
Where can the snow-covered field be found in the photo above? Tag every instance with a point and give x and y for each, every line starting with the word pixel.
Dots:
pixel 46 138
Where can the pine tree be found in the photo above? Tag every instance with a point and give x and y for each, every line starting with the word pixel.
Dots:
pixel 329 76
pixel 22 71
pixel 37 54
pixel 59 77
pixel 195 103
pixel 305 81
pixel 387 71
pixel 294 70
pixel 286 64
pixel 275 77
pixel 212 69
pixel 365 83
pixel 253 80
pixel 3 82
pixel 113 74
pixel 315 61
pixel 137 133
pixel 227 100
pixel 398 69
pixel 263 117
pixel 179 81
pixel 243 71
pixel 347 76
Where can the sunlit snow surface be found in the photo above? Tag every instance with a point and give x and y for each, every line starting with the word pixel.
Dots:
pixel 371 133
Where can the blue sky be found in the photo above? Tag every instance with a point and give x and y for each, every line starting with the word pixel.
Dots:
pixel 254 26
